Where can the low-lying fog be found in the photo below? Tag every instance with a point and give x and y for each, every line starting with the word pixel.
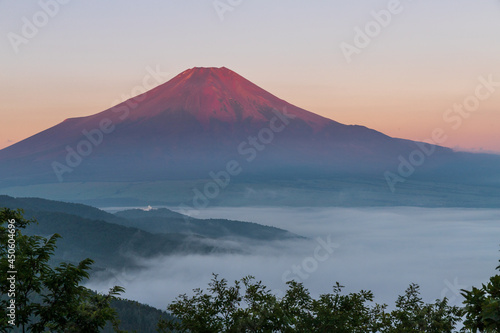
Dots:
pixel 378 249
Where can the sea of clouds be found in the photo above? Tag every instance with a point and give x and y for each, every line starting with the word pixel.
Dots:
pixel 379 249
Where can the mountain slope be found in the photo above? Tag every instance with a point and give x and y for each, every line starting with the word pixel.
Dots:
pixel 167 221
pixel 115 241
pixel 163 221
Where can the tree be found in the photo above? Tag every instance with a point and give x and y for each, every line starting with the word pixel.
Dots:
pixel 227 309
pixel 333 312
pixel 482 306
pixel 412 315
pixel 45 298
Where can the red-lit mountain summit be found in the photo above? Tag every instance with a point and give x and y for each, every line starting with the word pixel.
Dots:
pixel 196 123
pixel 210 94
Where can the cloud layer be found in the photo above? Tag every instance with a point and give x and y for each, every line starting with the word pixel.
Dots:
pixel 379 249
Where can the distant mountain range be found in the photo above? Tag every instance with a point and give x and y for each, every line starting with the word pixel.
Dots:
pixel 211 123
pixel 115 241
pixel 120 242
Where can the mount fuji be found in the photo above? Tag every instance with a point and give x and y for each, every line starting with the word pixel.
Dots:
pixel 209 119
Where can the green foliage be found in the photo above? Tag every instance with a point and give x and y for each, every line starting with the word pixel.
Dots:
pixel 412 315
pixel 344 313
pixel 47 298
pixel 483 306
pixel 249 306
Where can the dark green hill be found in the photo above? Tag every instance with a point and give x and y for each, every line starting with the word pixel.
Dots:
pixel 141 213
pixel 110 245
pixel 116 241
pixel 44 205
pixel 166 221
pixel 154 221
pixel 136 317
pixel 133 316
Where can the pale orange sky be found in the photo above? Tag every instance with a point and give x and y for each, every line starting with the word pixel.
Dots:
pixel 429 57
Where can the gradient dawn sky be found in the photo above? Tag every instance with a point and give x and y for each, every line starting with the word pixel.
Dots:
pixel 403 79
